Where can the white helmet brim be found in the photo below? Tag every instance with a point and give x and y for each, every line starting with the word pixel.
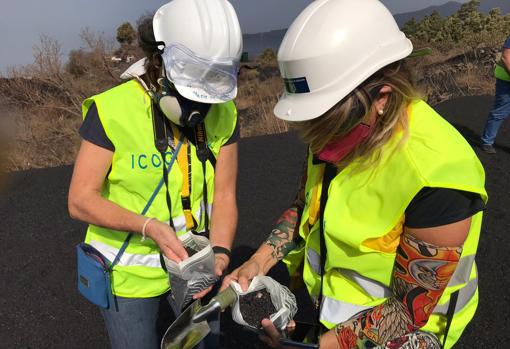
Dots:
pixel 331 48
pixel 312 102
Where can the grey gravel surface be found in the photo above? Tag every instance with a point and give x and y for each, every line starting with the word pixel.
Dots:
pixel 39 304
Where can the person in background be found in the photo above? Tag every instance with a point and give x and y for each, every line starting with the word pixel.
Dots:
pixel 501 107
pixel 384 230
pixel 185 85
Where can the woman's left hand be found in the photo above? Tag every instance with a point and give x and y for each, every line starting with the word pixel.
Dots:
pixel 220 264
pixel 273 336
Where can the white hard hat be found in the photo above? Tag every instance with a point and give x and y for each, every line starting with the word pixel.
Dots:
pixel 330 49
pixel 203 47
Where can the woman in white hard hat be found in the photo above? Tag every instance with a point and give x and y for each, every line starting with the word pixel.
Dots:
pixel 159 160
pixel 385 227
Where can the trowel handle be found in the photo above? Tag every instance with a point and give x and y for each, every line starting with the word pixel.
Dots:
pixel 219 303
pixel 225 298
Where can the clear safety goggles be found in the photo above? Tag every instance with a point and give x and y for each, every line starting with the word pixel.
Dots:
pixel 217 77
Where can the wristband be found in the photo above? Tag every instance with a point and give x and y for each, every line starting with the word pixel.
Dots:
pixel 223 250
pixel 144 227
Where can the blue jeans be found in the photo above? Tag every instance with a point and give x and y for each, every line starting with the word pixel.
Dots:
pixel 500 111
pixel 140 323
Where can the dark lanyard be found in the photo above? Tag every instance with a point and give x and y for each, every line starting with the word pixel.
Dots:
pixel 187 200
pixel 203 153
pixel 330 173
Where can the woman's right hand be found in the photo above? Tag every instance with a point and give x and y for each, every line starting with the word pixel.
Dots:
pixel 243 275
pixel 164 236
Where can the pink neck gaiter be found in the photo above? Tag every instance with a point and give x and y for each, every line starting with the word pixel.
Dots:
pixel 338 149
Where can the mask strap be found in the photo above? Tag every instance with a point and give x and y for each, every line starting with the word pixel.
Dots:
pixel 153 43
pixel 158 125
pixel 203 154
pixel 161 143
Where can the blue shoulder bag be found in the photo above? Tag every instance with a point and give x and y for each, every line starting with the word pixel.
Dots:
pixel 94 269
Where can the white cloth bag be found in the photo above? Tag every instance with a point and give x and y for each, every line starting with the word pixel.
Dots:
pixel 281 297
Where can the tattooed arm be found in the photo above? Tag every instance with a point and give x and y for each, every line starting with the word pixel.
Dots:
pixel 281 238
pixel 422 271
pixel 279 243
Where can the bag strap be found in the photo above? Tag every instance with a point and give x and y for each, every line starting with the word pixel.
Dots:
pixel 450 313
pixel 151 200
pixel 330 173
pixel 204 154
pixel 184 162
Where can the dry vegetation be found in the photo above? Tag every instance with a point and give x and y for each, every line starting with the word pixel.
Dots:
pixel 442 76
pixel 260 86
pixel 41 103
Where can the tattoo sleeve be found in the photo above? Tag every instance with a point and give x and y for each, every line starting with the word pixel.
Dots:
pixel 281 236
pixel 421 274
pixel 282 239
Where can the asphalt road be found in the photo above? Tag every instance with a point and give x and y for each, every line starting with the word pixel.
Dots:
pixel 39 304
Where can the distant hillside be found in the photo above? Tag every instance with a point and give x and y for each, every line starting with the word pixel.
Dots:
pixel 487 5
pixel 445 10
pixel 450 8
pixel 254 44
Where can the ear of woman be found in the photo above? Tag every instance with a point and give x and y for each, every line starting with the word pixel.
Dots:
pixel 379 105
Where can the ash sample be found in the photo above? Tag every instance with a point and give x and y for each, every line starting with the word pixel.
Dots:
pixel 191 247
pixel 256 306
pixel 190 250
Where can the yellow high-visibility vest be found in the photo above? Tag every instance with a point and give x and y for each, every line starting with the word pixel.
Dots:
pixel 137 169
pixel 364 219
pixel 500 72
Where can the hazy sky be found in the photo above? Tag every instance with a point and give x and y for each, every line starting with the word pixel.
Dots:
pixel 22 22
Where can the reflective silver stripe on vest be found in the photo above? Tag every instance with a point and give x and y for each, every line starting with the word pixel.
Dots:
pixel 314 260
pixel 128 259
pixel 141 260
pixel 371 287
pixel 465 295
pixel 335 311
pixel 463 271
pixel 376 289
pixel 379 290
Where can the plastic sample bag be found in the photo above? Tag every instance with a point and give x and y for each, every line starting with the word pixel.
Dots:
pixel 282 299
pixel 193 274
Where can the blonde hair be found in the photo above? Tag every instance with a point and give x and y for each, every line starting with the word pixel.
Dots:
pixel 338 121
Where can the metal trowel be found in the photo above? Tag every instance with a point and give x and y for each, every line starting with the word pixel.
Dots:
pixel 191 327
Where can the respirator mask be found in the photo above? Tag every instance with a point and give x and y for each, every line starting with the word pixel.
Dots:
pixel 190 84
pixel 179 110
